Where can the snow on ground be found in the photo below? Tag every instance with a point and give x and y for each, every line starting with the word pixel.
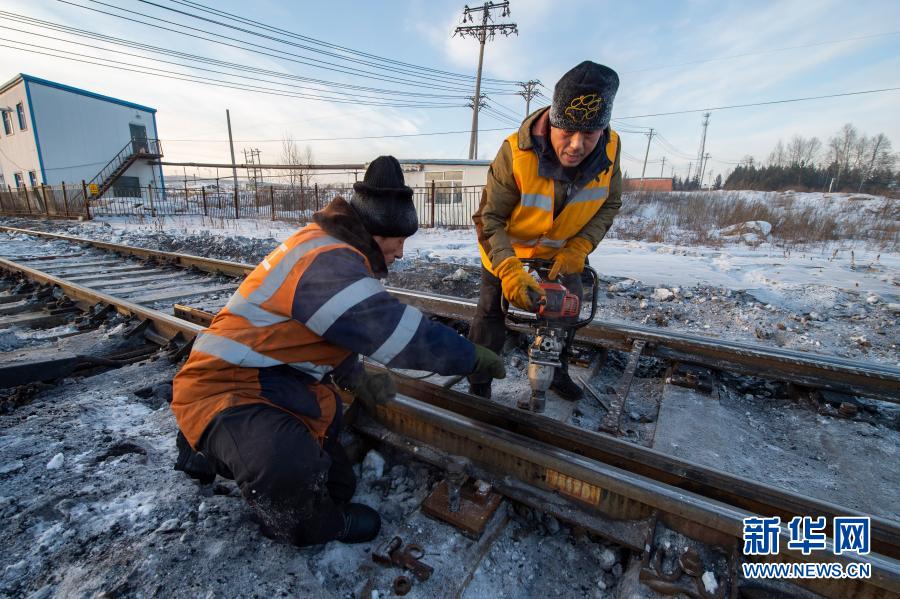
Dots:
pixel 92 507
pixel 753 280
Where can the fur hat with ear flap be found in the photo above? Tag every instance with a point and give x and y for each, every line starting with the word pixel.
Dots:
pixel 383 201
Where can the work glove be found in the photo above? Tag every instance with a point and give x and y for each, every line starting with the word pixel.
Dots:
pixel 570 259
pixel 373 389
pixel 487 363
pixel 519 287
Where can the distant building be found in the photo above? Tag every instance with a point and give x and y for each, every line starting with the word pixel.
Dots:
pixel 52 133
pixel 649 184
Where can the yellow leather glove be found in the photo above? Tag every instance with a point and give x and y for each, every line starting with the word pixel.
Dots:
pixel 519 287
pixel 570 259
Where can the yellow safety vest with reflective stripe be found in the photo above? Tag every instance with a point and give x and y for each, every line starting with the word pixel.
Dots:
pixel 531 228
pixel 254 331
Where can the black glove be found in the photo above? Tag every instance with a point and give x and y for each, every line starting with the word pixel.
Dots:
pixel 487 363
pixel 373 389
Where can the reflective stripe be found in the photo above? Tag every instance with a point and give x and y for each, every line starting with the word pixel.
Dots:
pixel 553 243
pixel 232 351
pixel 239 354
pixel 254 314
pixel 537 200
pixel 589 194
pixel 526 242
pixel 400 338
pixel 316 371
pixel 279 273
pixel 342 301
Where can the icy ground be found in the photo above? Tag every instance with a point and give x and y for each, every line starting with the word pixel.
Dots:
pixel 840 298
pixel 92 508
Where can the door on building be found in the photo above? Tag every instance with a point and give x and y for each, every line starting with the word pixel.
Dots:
pixel 138 138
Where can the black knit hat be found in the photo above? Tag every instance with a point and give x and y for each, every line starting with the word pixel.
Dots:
pixel 383 201
pixel 583 98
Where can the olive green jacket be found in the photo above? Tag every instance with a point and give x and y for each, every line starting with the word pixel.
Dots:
pixel 501 195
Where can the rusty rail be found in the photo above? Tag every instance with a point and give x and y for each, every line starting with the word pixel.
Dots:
pixel 811 370
pixel 608 485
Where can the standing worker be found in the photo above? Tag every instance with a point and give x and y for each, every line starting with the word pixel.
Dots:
pixel 256 400
pixel 551 193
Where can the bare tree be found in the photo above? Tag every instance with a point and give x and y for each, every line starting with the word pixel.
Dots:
pixel 802 151
pixel 778 156
pixel 308 160
pixel 881 158
pixel 290 154
pixel 840 147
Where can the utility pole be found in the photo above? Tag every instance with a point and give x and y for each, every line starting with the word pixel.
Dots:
pixel 703 163
pixel 482 32
pixel 688 177
pixel 662 167
pixel 481 104
pixel 231 145
pixel 646 154
pixel 529 91
pixel 700 163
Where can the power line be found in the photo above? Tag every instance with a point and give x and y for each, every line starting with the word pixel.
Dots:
pixel 283 41
pixel 217 39
pixel 805 99
pixel 351 94
pixel 218 82
pixel 193 57
pixel 339 138
pixel 208 9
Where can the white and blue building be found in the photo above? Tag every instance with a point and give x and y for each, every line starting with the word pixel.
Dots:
pixel 52 133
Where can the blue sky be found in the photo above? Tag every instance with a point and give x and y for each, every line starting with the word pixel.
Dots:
pixel 671 56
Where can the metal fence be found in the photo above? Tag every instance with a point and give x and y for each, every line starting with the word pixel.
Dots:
pixel 436 206
pixel 61 201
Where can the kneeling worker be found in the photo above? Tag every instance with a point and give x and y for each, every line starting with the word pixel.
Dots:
pixel 256 401
pixel 551 193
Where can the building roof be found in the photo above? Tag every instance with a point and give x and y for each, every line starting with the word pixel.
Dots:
pixel 74 90
pixel 447 162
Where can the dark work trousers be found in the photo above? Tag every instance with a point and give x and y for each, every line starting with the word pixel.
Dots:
pixel 295 486
pixel 488 327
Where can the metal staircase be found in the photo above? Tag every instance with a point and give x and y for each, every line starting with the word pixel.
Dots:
pixel 139 148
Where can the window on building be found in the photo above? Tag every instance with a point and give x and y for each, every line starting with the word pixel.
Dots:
pixel 32 176
pixel 20 111
pixel 127 187
pixel 7 122
pixel 20 182
pixel 447 186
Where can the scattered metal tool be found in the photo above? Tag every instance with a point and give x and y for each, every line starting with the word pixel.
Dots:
pixel 591 392
pixel 393 553
pixel 402 585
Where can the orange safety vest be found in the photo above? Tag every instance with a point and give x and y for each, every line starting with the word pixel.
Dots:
pixel 254 331
pixel 531 228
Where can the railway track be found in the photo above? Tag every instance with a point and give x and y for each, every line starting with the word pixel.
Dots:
pixel 628 493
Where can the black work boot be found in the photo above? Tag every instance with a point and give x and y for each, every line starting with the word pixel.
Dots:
pixel 480 389
pixel 564 386
pixel 361 523
pixel 192 463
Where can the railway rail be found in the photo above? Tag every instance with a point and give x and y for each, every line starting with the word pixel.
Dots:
pixel 628 493
pixel 816 371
